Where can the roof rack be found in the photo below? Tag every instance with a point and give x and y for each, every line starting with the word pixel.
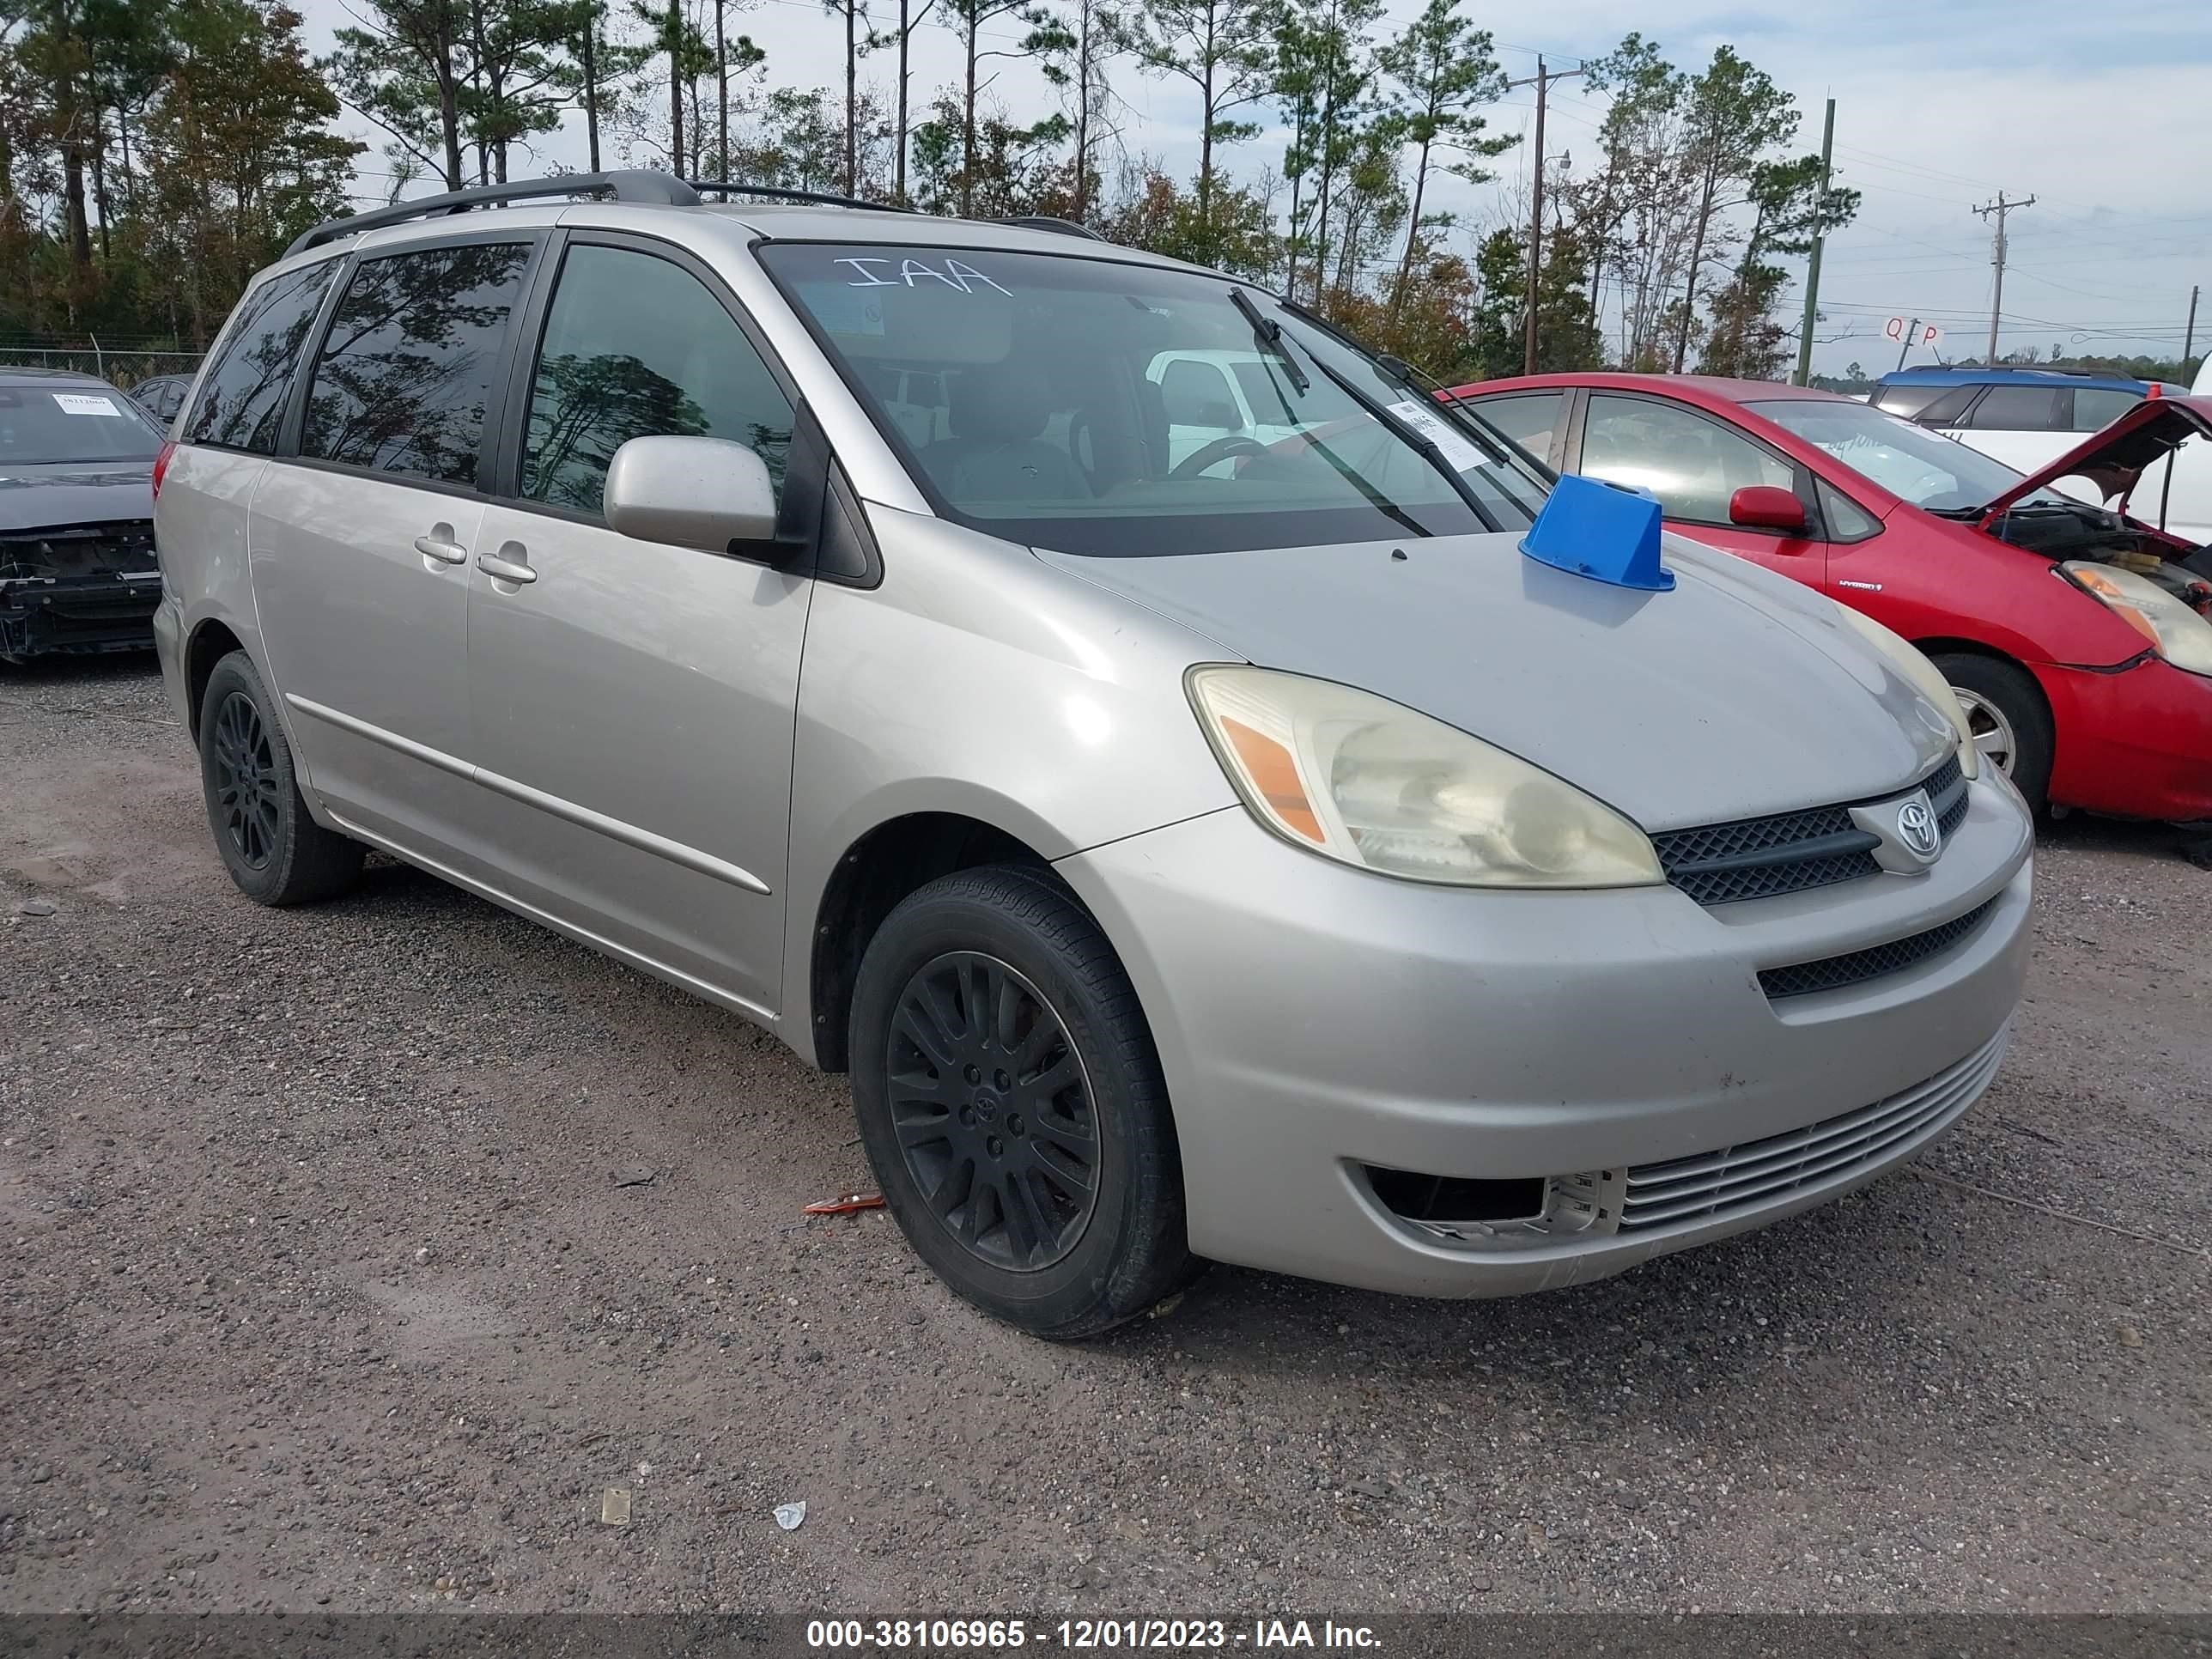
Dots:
pixel 820 198
pixel 633 184
pixel 1046 222
pixel 2040 369
pixel 658 189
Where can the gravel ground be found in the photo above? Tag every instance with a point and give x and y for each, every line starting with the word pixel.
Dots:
pixel 320 1290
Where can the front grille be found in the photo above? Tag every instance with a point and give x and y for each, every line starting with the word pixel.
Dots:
pixel 1832 973
pixel 1946 793
pixel 1689 1189
pixel 1791 851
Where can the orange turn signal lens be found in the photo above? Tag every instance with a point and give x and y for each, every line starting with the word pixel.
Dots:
pixel 2116 600
pixel 1274 773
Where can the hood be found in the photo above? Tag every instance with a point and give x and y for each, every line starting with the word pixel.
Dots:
pixel 56 493
pixel 1736 694
pixel 2114 458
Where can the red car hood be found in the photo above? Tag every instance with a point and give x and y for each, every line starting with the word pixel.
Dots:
pixel 2114 458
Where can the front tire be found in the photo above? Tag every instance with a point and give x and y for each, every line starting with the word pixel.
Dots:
pixel 275 852
pixel 2008 717
pixel 1011 1104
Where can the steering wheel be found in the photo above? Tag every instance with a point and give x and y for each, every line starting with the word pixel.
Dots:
pixel 1234 443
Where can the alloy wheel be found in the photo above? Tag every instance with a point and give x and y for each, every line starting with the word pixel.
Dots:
pixel 1992 734
pixel 246 782
pixel 994 1111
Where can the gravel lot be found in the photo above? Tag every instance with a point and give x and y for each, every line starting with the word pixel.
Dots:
pixel 320 1292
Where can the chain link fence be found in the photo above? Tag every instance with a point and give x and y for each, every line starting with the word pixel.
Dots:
pixel 124 366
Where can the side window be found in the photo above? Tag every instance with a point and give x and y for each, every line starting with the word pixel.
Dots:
pixel 1846 520
pixel 1949 408
pixel 1692 465
pixel 2017 409
pixel 1197 394
pixel 1907 400
pixel 1529 418
pixel 241 402
pixel 2094 409
pixel 405 376
pixel 636 346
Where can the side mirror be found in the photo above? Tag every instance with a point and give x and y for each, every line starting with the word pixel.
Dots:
pixel 1766 507
pixel 690 492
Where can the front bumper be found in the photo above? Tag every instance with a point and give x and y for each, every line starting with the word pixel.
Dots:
pixel 2136 742
pixel 78 616
pixel 1314 1021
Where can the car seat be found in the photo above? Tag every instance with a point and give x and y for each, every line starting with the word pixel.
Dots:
pixel 994 454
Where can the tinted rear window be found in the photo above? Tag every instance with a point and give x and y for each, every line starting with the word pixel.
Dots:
pixel 241 402
pixel 2019 409
pixel 2095 407
pixel 403 379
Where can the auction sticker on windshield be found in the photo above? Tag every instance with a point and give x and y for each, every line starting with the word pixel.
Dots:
pixel 1460 455
pixel 74 403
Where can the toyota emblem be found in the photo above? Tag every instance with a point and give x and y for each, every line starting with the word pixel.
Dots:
pixel 1918 830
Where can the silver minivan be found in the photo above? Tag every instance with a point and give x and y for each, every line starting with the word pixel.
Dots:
pixel 1245 852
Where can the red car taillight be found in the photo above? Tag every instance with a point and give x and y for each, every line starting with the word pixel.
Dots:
pixel 162 463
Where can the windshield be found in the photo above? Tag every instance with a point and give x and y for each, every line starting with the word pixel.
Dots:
pixel 1911 462
pixel 1117 410
pixel 72 421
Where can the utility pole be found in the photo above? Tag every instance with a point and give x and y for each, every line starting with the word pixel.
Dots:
pixel 1541 80
pixel 2000 208
pixel 675 26
pixel 592 82
pixel 1813 265
pixel 2188 343
pixel 1909 334
pixel 721 97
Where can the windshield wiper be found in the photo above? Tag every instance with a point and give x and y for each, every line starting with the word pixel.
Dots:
pixel 1423 444
pixel 1420 381
pixel 1269 333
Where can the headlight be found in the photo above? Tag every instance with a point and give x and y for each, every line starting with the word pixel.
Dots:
pixel 1368 781
pixel 1909 660
pixel 2175 632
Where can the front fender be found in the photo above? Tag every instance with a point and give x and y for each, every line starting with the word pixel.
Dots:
pixel 977 681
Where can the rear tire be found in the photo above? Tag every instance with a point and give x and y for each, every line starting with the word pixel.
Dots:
pixel 2010 720
pixel 276 853
pixel 1011 1104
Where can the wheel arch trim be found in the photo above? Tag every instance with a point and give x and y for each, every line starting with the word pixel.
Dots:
pixel 827 896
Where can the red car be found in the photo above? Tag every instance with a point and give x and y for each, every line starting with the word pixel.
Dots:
pixel 2076 635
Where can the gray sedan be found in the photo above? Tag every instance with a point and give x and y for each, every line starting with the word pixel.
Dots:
pixel 77 572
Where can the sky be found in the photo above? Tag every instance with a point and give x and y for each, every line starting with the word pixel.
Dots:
pixel 2101 112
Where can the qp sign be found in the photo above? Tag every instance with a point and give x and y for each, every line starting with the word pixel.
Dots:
pixel 1903 330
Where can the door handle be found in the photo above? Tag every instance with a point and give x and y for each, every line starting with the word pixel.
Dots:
pixel 505 569
pixel 437 546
